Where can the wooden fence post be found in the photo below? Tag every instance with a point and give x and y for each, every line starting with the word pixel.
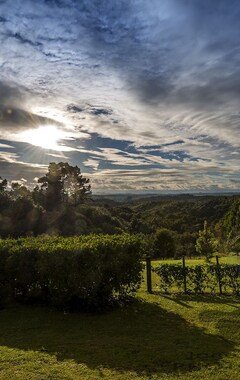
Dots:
pixel 219 275
pixel 149 274
pixel 184 274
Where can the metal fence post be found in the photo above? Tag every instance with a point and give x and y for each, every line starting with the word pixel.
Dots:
pixel 184 274
pixel 219 275
pixel 149 274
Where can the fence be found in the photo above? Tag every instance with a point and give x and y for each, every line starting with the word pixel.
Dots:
pixel 204 278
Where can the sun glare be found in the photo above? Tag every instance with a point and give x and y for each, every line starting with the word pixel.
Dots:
pixel 46 137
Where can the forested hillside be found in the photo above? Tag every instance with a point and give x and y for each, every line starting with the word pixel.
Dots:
pixel 62 204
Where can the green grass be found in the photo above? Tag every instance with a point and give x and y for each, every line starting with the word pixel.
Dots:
pixel 155 337
pixel 222 260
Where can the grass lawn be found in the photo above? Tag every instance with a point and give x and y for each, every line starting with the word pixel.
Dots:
pixel 155 337
pixel 222 260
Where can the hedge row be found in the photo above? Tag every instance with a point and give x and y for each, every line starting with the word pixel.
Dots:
pixel 82 272
pixel 199 278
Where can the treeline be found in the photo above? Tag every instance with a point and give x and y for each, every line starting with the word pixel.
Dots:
pixel 61 204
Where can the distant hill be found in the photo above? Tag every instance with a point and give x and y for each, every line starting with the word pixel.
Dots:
pixel 131 197
pixel 181 213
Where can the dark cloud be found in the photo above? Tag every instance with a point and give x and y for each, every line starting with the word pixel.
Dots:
pixel 11 94
pixel 152 44
pixel 75 109
pixel 94 110
pixel 17 117
pixel 156 43
pixel 23 40
pixel 97 111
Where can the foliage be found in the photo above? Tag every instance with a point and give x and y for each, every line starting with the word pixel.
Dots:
pixel 185 244
pixel 201 278
pixel 206 244
pixel 19 216
pixel 234 244
pixel 60 205
pixel 3 184
pixel 232 218
pixel 163 243
pixel 231 225
pixel 181 213
pixel 85 271
pixel 170 275
pixel 62 183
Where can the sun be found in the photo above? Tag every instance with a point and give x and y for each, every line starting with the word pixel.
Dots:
pixel 46 137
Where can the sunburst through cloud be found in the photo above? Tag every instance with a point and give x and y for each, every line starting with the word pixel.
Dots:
pixel 47 137
pixel 148 88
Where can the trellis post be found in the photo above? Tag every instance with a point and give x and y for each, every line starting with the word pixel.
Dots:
pixel 149 274
pixel 184 274
pixel 219 275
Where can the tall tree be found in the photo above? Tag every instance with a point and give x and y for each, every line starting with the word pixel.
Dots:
pixel 63 183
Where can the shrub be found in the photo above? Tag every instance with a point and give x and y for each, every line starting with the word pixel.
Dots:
pixel 200 278
pixel 82 272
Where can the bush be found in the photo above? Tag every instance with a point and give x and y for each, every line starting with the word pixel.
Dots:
pixel 78 272
pixel 200 278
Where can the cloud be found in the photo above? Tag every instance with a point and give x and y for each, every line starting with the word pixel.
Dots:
pixel 94 164
pixel 73 108
pixel 14 169
pixel 147 84
pixel 11 94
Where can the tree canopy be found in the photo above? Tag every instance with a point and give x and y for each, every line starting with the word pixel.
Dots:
pixel 62 183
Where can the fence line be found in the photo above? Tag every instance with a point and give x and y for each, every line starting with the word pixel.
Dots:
pixel 201 277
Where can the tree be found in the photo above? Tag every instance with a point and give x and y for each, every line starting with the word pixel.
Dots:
pixel 63 183
pixel 231 225
pixel 3 184
pixel 206 244
pixel 163 243
pixel 185 244
pixel 234 244
pixel 20 190
pixel 76 187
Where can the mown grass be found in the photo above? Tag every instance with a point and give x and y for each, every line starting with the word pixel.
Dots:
pixel 193 261
pixel 155 337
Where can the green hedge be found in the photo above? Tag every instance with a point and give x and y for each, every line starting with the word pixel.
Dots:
pixel 87 271
pixel 200 278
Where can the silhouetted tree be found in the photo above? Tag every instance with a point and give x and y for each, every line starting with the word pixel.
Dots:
pixel 63 183
pixel 20 190
pixel 3 184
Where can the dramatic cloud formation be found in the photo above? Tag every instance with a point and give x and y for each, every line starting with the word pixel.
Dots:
pixel 143 95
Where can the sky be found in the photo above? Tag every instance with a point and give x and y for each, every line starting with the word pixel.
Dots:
pixel 142 95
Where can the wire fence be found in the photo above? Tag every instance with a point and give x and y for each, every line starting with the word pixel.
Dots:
pixel 214 278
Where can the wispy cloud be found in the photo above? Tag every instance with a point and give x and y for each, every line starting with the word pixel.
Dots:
pixel 152 85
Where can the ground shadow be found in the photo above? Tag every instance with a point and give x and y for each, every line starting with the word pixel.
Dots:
pixel 227 323
pixel 181 299
pixel 142 337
